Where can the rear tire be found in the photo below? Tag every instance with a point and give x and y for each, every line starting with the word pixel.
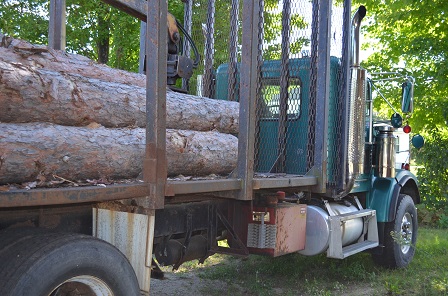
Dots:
pixel 60 263
pixel 400 236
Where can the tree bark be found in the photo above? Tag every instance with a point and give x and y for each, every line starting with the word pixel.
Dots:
pixel 32 150
pixel 38 84
pixel 39 56
pixel 103 33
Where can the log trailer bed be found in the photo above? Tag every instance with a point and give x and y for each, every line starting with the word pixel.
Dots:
pixel 306 178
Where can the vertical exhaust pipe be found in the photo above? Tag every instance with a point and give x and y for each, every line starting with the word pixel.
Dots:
pixel 355 114
pixel 356 35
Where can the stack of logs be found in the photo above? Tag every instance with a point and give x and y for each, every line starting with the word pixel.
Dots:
pixel 63 114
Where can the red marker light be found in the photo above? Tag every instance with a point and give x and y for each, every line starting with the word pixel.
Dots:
pixel 407 129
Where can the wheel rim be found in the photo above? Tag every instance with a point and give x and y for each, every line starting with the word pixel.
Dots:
pixel 83 285
pixel 406 232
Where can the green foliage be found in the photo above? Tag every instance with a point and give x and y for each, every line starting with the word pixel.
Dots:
pixel 25 19
pixel 433 177
pixel 90 25
pixel 434 170
pixel 432 217
pixel 272 30
pixel 413 35
pixel 90 21
pixel 125 42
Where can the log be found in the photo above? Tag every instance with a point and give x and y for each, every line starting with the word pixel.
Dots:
pixel 35 150
pixel 40 56
pixel 38 84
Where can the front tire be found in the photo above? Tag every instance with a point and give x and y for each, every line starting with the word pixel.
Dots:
pixel 400 236
pixel 60 263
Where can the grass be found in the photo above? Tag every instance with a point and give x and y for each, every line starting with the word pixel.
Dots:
pixel 357 275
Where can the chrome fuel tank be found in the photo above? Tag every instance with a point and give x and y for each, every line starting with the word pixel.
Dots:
pixel 318 228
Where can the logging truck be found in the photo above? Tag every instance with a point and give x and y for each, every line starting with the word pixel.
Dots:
pixel 303 168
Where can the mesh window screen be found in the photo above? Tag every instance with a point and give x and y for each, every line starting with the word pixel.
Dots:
pixel 286 88
pixel 215 28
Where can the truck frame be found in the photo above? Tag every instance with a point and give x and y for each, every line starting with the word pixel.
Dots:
pixel 315 179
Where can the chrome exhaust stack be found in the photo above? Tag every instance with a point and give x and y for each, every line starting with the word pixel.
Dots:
pixel 355 35
pixel 355 114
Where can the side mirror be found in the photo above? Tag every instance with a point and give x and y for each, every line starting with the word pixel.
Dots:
pixel 369 96
pixel 407 96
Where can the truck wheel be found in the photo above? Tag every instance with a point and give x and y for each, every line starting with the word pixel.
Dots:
pixel 64 264
pixel 400 236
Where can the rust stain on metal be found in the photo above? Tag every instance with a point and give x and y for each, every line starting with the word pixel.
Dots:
pixel 55 196
pixel 155 174
pixel 290 229
pixel 290 222
pixel 136 8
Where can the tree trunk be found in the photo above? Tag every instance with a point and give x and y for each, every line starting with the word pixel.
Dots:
pixel 35 150
pixel 103 33
pixel 41 84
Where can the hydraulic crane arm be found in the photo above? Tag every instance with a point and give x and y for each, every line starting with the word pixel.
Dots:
pixel 178 66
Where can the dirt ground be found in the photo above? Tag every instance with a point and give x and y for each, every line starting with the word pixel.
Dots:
pixel 190 283
pixel 184 284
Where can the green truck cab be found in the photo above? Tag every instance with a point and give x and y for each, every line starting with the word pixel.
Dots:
pixel 377 185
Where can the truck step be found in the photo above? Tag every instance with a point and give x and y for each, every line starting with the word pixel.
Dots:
pixel 358 247
pixel 368 239
pixel 358 214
